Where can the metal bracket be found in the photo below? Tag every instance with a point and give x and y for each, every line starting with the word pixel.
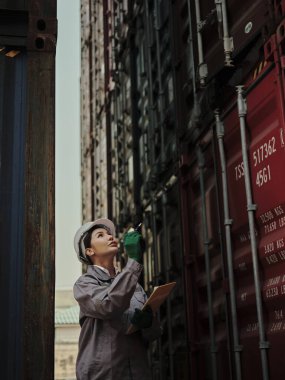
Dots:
pixel 228 48
pixel 242 104
pixel 214 349
pixel 203 72
pixel 252 207
pixel 219 10
pixel 42 34
pixel 238 348
pixel 220 129
pixel 264 345
pixel 229 44
pixel 201 25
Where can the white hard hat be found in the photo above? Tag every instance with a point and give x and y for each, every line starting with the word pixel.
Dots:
pixel 81 232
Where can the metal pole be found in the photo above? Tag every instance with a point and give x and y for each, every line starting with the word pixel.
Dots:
pixel 168 304
pixel 152 127
pixel 251 208
pixel 152 158
pixel 228 222
pixel 164 198
pixel 203 70
pixel 160 89
pixel 228 41
pixel 191 50
pixel 201 164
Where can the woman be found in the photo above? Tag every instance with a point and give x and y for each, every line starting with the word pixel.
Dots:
pixel 109 301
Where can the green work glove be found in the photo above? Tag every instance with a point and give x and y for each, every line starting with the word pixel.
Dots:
pixel 133 245
pixel 142 319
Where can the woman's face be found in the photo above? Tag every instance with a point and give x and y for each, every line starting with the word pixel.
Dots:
pixel 103 243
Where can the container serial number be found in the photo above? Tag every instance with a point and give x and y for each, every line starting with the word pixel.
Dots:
pixel 263 176
pixel 264 151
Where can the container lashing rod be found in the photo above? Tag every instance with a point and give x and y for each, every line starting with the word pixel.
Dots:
pixel 222 16
pixel 203 69
pixel 251 208
pixel 228 223
pixel 152 110
pixel 164 197
pixel 213 348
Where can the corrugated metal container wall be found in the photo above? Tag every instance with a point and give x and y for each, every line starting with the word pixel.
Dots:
pixel 27 83
pixel 12 83
pixel 232 207
pixel 121 96
pixel 156 174
pixel 86 117
pixel 171 71
pixel 141 156
pixel 93 125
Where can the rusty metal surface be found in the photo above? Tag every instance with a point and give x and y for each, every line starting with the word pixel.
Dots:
pixel 39 194
pixel 27 187
pixel 93 112
pixel 12 158
pixel 39 219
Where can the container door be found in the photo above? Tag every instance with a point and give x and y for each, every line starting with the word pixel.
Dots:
pixel 265 136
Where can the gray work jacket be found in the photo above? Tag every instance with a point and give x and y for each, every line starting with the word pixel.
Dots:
pixel 106 306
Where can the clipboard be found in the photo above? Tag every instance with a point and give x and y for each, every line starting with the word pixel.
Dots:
pixel 157 297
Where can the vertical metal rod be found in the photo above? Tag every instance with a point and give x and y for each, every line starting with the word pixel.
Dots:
pixel 224 261
pixel 168 304
pixel 228 41
pixel 228 222
pixel 163 159
pixel 152 155
pixel 203 71
pixel 160 89
pixel 91 112
pixel 191 48
pixel 251 208
pixel 152 127
pixel 108 154
pixel 201 164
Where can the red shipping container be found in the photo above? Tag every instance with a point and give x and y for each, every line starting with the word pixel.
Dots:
pixel 265 135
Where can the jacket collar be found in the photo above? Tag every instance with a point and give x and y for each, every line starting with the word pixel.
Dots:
pixel 99 273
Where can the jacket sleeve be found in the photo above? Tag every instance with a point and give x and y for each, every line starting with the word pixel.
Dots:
pixel 107 302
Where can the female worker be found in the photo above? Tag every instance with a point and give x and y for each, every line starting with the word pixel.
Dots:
pixel 109 302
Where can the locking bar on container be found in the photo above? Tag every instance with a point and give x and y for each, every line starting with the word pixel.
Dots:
pixel 228 223
pixel 213 348
pixel 157 24
pixel 152 125
pixel 203 69
pixel 222 15
pixel 251 208
pixel 152 156
pixel 191 49
pixel 160 87
pixel 168 301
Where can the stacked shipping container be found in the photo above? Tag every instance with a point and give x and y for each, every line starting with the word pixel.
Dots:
pixel 188 137
pixel 28 32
